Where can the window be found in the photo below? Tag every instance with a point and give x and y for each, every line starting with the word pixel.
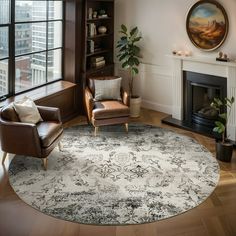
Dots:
pixel 30 44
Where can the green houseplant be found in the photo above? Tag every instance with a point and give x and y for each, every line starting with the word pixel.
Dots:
pixel 129 55
pixel 224 148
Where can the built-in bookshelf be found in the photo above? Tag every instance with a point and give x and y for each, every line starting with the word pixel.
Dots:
pixel 98 24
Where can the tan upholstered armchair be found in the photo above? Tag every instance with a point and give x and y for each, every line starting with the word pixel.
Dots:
pixel 106 112
pixel 37 140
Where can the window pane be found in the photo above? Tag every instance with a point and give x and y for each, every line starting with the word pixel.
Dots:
pixel 23 11
pixel 54 65
pixel 3 42
pixel 30 71
pixel 38 37
pixel 55 10
pixel 30 38
pixel 54 34
pixel 4 11
pixel 30 10
pixel 3 77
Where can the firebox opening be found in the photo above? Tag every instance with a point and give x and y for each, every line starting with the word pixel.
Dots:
pixel 199 92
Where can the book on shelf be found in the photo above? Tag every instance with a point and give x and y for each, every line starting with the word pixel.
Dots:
pixel 97 59
pixel 90 46
pixel 98 64
pixel 91 30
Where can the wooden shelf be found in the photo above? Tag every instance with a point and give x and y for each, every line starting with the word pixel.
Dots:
pixel 94 70
pixel 100 36
pixel 98 52
pixel 99 19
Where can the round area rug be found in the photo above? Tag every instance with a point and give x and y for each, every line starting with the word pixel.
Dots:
pixel 117 178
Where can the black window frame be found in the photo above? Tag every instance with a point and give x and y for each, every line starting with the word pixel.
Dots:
pixel 11 46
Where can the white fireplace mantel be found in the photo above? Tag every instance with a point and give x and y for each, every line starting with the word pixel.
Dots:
pixel 208 66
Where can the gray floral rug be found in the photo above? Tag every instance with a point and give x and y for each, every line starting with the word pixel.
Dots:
pixel 116 178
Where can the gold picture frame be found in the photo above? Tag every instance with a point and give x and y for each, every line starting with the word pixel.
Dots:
pixel 207 25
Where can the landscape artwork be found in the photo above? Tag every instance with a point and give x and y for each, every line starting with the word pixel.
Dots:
pixel 207 25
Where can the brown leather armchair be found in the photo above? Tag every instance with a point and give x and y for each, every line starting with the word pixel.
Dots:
pixel 37 140
pixel 106 112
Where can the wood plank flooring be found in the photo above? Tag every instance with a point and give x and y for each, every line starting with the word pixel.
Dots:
pixel 215 217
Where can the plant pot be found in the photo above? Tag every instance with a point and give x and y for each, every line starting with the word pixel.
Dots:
pixel 135 104
pixel 224 151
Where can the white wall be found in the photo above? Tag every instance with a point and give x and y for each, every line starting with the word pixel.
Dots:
pixel 162 23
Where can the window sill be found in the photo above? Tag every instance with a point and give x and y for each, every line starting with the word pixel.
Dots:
pixel 42 92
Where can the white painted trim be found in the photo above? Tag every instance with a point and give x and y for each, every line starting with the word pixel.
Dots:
pixel 156 107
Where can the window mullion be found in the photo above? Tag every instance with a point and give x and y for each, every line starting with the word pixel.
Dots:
pixel 47 17
pixel 11 77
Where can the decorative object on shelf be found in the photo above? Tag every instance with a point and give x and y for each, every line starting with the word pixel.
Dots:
pixel 187 53
pixel 102 29
pixel 95 13
pixel 174 52
pixel 222 57
pixel 102 14
pixel 224 148
pixel 129 54
pixel 207 25
pixel 90 13
pixel 179 53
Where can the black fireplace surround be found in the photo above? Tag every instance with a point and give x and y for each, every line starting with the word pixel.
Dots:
pixel 199 90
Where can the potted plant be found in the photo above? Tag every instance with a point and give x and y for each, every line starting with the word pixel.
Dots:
pixel 129 54
pixel 224 148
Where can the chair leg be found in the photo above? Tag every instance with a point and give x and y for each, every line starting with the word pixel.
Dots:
pixel 60 146
pixel 95 131
pixel 45 163
pixel 4 157
pixel 127 127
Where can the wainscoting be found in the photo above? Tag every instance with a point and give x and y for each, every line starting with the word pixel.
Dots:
pixel 154 84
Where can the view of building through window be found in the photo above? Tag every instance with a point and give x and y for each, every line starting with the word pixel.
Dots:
pixel 37 28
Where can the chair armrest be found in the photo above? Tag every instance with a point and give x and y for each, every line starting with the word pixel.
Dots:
pixel 125 97
pixel 89 103
pixel 50 113
pixel 19 138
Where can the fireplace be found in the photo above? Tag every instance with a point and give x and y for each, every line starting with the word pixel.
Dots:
pixel 216 79
pixel 199 91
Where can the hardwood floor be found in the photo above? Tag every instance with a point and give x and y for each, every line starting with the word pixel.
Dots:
pixel 216 216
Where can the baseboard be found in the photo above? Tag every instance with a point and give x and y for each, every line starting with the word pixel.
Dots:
pixel 156 107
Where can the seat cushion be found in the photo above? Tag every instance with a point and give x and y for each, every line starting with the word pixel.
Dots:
pixel 48 132
pixel 109 109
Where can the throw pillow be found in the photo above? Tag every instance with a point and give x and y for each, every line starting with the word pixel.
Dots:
pixel 27 111
pixel 107 89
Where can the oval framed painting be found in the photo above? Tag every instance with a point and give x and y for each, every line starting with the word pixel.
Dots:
pixel 207 25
